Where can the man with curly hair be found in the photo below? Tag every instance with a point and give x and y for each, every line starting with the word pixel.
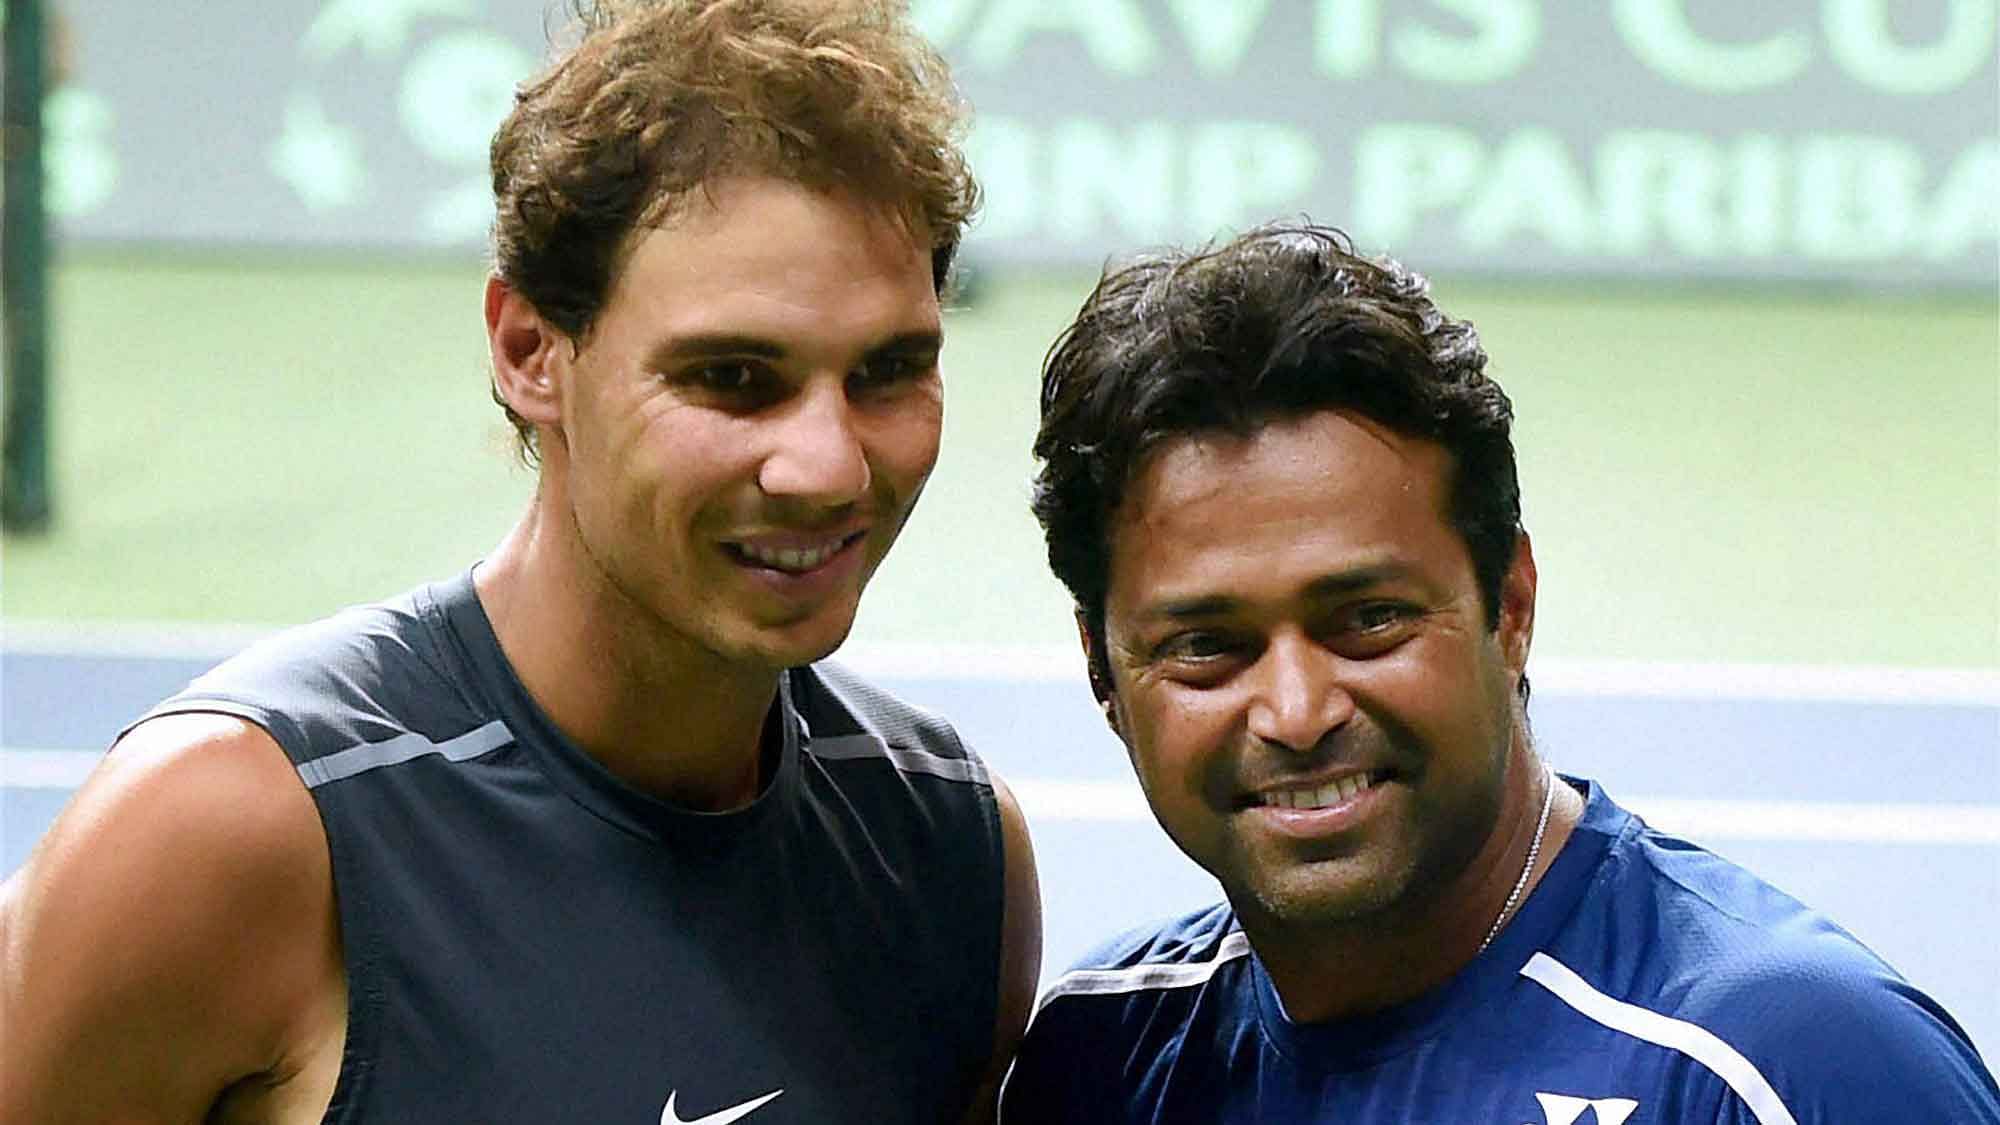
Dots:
pixel 1280 486
pixel 589 832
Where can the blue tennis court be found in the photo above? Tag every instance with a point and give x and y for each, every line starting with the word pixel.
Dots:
pixel 1872 794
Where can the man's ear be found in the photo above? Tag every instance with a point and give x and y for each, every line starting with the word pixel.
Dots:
pixel 1098 667
pixel 526 351
pixel 1517 606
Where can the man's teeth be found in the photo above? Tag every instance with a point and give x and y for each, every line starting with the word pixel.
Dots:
pixel 1332 793
pixel 788 558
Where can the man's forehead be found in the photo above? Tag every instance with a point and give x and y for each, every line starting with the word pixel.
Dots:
pixel 1316 506
pixel 715 207
pixel 1336 451
pixel 768 248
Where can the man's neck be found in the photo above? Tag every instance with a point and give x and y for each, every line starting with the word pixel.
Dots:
pixel 1335 971
pixel 663 715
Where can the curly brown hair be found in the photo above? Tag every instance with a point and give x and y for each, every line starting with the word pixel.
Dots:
pixel 660 97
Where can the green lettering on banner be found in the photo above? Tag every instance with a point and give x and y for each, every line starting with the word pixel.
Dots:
pixel 1003 155
pixel 1097 179
pixel 1403 172
pixel 321 160
pixel 1858 35
pixel 1657 185
pixel 1346 35
pixel 81 162
pixel 1505 35
pixel 1756 201
pixel 1657 32
pixel 1857 197
pixel 1113 31
pixel 454 94
pixel 942 21
pixel 1241 171
pixel 457 90
pixel 379 27
pixel 1218 35
pixel 1966 211
pixel 1531 187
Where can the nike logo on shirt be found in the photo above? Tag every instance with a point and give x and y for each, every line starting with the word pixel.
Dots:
pixel 720 1116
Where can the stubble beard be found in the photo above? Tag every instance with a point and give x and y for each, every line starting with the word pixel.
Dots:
pixel 1385 885
pixel 1319 894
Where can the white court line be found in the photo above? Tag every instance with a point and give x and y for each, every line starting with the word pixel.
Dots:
pixel 1063 663
pixel 1832 683
pixel 46 769
pixel 1859 683
pixel 1701 820
pixel 148 640
pixel 1822 821
pixel 1044 799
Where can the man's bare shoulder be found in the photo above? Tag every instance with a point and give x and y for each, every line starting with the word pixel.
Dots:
pixel 173 935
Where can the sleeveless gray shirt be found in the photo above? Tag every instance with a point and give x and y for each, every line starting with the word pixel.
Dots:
pixel 527 939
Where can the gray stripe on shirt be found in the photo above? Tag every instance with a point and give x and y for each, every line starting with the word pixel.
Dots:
pixel 906 759
pixel 400 749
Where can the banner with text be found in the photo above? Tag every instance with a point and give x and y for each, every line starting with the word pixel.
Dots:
pixel 1822 140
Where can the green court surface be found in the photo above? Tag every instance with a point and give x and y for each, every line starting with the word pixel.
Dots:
pixel 1732 475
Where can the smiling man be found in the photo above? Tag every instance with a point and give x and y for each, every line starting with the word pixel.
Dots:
pixel 1281 490
pixel 586 833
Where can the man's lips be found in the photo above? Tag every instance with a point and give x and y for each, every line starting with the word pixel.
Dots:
pixel 791 551
pixel 1324 790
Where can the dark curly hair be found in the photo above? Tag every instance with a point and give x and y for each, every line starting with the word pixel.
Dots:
pixel 1280 322
pixel 659 98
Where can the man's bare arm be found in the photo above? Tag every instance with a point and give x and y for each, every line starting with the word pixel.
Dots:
pixel 1020 952
pixel 171 937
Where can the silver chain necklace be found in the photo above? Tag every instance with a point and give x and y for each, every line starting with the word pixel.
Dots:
pixel 1534 851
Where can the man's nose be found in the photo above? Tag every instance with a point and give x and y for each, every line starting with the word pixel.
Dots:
pixel 817 456
pixel 1297 695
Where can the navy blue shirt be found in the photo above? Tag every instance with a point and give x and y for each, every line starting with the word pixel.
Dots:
pixel 1644 981
pixel 528 939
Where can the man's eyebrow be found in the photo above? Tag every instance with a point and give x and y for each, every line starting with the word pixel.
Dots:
pixel 929 340
pixel 706 344
pixel 1202 606
pixel 1359 578
pixel 1195 608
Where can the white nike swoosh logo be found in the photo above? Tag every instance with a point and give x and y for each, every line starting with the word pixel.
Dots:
pixel 720 1116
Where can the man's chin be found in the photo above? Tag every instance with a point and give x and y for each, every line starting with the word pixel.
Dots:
pixel 804 641
pixel 1323 898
